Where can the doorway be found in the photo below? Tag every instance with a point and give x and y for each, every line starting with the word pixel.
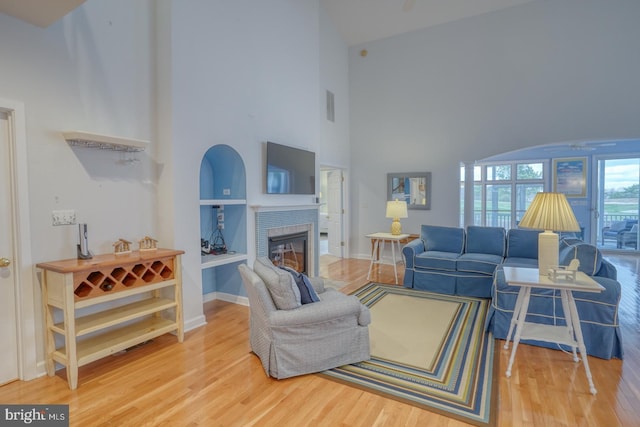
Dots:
pixel 16 275
pixel 331 211
pixel 618 203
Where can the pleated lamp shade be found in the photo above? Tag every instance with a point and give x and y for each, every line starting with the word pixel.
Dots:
pixel 549 212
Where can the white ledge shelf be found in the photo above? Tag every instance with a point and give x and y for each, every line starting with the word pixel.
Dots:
pixel 208 261
pixel 214 202
pixel 271 208
pixel 103 142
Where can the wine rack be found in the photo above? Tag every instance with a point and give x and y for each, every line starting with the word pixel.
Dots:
pixel 71 285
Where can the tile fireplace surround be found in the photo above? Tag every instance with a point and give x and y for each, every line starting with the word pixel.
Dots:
pixel 279 220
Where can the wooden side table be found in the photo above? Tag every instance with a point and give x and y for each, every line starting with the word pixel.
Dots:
pixel 571 334
pixel 378 241
pixel 71 285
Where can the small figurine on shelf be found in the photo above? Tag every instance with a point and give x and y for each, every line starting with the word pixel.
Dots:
pixel 148 244
pixel 122 247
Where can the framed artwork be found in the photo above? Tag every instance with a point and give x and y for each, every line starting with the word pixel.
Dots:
pixel 412 187
pixel 570 176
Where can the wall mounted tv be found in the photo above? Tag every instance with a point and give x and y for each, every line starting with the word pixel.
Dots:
pixel 290 170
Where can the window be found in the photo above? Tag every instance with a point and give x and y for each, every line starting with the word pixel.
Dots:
pixel 503 192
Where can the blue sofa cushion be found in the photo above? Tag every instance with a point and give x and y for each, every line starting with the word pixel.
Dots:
pixel 436 260
pixel 443 239
pixel 589 256
pixel 486 240
pixel 479 263
pixel 522 243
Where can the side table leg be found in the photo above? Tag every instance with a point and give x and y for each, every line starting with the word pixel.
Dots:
pixel 564 296
pixel 522 314
pixel 374 251
pixel 514 318
pixel 393 259
pixel 578 331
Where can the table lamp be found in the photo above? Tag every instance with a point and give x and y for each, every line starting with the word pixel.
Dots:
pixel 549 212
pixel 396 209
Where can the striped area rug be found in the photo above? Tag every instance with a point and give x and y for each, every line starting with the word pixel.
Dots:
pixel 429 350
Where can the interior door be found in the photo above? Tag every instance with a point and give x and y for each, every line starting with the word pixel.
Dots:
pixel 334 212
pixel 8 330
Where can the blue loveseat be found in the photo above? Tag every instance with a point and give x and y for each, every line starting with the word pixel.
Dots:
pixel 469 262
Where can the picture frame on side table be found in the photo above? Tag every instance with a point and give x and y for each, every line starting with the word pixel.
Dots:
pixel 570 176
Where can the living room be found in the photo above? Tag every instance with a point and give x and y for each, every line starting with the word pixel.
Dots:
pixel 190 75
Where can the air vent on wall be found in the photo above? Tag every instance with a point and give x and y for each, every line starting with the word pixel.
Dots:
pixel 104 142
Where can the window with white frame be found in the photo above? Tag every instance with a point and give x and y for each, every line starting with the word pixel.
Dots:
pixel 502 192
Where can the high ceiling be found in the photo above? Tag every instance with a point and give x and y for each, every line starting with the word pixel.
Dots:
pixel 360 21
pixel 41 13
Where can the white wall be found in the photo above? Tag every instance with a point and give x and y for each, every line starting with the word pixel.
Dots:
pixel 334 76
pixel 542 72
pixel 243 73
pixel 89 71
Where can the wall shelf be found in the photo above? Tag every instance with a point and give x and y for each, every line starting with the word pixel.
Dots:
pixel 103 142
pixel 223 202
pixel 209 261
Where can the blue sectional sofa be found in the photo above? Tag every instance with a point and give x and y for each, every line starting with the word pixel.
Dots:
pixel 469 262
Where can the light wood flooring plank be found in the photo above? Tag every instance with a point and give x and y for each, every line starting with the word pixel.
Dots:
pixel 212 379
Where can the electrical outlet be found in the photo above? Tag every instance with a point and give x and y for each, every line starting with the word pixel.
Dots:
pixel 63 217
pixel 221 226
pixel 226 192
pixel 220 217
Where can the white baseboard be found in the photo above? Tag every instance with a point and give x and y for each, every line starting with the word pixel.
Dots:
pixel 194 323
pixel 222 296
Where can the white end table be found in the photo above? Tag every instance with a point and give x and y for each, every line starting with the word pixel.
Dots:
pixel 571 334
pixel 377 239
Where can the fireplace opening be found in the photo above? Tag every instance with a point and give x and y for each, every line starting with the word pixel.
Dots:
pixel 290 250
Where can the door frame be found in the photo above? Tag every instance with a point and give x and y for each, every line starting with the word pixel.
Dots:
pixel 344 218
pixel 23 271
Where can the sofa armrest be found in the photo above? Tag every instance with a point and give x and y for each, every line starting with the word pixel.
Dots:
pixel 410 250
pixel 607 270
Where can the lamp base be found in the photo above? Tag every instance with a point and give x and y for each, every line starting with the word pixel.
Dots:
pixel 396 228
pixel 548 251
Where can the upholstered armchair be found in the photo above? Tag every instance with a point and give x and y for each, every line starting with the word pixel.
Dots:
pixel 614 232
pixel 292 338
pixel 630 238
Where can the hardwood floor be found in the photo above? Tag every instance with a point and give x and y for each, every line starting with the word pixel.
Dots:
pixel 212 379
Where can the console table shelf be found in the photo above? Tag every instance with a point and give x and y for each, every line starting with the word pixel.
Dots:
pixel 71 285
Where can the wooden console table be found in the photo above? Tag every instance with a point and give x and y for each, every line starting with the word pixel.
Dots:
pixel 74 284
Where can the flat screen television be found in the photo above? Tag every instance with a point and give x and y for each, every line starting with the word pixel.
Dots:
pixel 290 170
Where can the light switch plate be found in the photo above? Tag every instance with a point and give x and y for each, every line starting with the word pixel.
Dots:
pixel 63 217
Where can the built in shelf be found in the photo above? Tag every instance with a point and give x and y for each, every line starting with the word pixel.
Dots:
pixel 214 202
pixel 209 261
pixel 103 142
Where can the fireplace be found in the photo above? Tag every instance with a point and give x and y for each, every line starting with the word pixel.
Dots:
pixel 275 221
pixel 290 250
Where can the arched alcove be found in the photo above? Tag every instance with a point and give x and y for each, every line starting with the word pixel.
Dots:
pixel 223 222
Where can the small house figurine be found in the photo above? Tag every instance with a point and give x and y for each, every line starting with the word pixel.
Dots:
pixel 122 247
pixel 148 244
